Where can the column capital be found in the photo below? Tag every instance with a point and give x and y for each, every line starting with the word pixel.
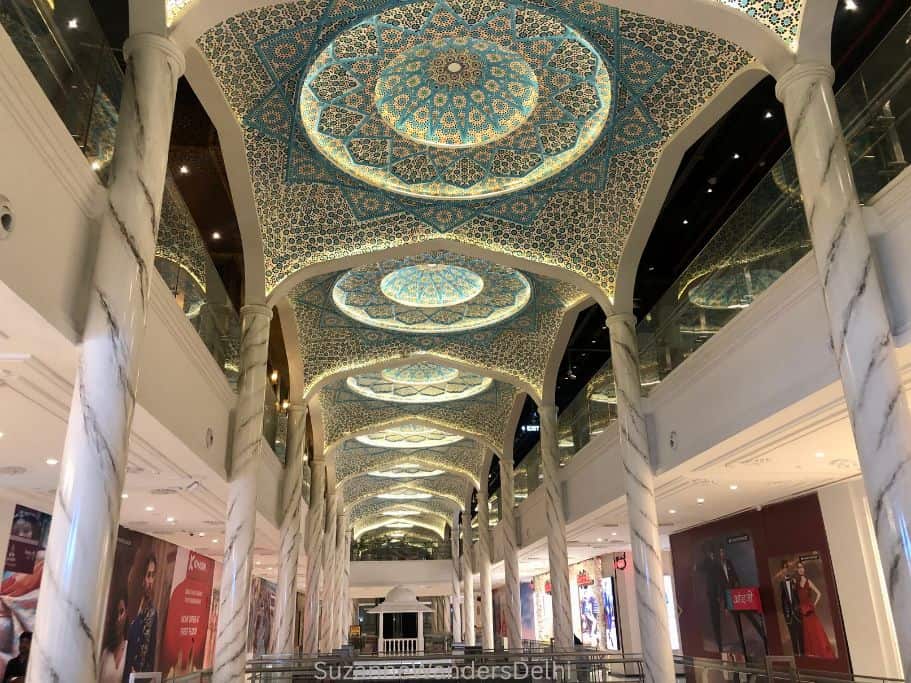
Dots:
pixel 256 309
pixel 153 41
pixel 813 71
pixel 615 319
pixel 297 407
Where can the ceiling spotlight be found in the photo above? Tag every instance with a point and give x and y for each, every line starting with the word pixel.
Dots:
pixel 709 191
pixel 52 461
pixel 124 495
pixel 1 435
pixel 736 155
pixel 600 540
pixel 170 520
pixel 184 170
pixel 149 508
pixel 258 563
pixel 286 404
pixel 672 511
pixel 73 23
pixel 216 235
pixel 733 487
pixel 96 165
pixel 274 376
pixel 214 540
pixel 768 114
pixel 613 533
pixel 820 455
pixel 851 6
pixel 686 221
pixel 700 501
pixel 202 533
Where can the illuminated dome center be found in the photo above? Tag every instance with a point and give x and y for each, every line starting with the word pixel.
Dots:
pixel 420 373
pixel 423 383
pixel 456 101
pixel 409 435
pixel 431 285
pixel 433 293
pixel 456 92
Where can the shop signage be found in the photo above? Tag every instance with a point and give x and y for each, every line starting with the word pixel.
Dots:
pixel 744 599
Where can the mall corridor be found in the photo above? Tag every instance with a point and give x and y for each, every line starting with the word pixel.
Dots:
pixel 461 339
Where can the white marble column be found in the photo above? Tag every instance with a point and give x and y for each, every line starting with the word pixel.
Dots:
pixel 457 636
pixel 80 552
pixel 484 553
pixel 557 555
pixel 467 581
pixel 342 608
pixel 289 549
pixel 240 525
pixel 510 553
pixel 329 591
pixel 861 335
pixel 639 478
pixel 316 521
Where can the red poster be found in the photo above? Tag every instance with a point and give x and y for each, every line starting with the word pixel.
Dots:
pixel 744 599
pixel 184 636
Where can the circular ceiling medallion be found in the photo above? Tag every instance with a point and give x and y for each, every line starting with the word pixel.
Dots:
pixel 456 92
pixel 456 294
pixel 425 102
pixel 440 384
pixel 409 435
pixel 420 373
pixel 431 285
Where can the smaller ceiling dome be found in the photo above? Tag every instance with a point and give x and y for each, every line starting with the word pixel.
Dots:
pixel 431 285
pixel 420 383
pixel 409 435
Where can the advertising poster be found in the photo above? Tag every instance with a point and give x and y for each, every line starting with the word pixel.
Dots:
pixel 21 579
pixel 213 619
pixel 544 630
pixel 803 605
pixel 611 628
pixel 184 641
pixel 527 603
pixel 262 610
pixel 137 606
pixel 586 577
pixel 723 563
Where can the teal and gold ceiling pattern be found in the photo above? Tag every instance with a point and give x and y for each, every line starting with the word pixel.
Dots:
pixel 420 101
pixel 485 415
pixel 780 16
pixel 577 218
pixel 407 436
pixel 378 508
pixel 419 383
pixel 353 458
pixel 509 327
pixel 448 491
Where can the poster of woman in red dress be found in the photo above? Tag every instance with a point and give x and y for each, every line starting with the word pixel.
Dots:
pixel 803 605
pixel 816 642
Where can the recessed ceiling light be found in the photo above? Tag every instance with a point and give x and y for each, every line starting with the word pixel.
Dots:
pixel 733 487
pixel 700 500
pixel 124 495
pixel 686 221
pixel 820 454
pixel 73 23
pixel 171 520
pixel 96 165
pixel 1 435
pixel 600 540
pixel 274 376
pixel 851 5
pixel 214 540
pixel 184 170
pixel 736 155
pixel 52 461
pixel 613 533
pixel 768 114
pixel 258 563
pixel 149 508
pixel 216 235
pixel 672 511
pixel 709 191
pixel 202 533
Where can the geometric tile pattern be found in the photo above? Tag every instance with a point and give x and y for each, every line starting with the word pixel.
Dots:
pixel 384 386
pixel 577 220
pixel 781 16
pixel 331 342
pixel 353 458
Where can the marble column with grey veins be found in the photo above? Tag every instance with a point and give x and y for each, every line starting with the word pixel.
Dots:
pixel 290 532
pixel 557 554
pixel 484 553
pixel 639 478
pixel 342 569
pixel 240 525
pixel 467 582
pixel 80 552
pixel 316 522
pixel 328 616
pixel 457 636
pixel 510 553
pixel 860 331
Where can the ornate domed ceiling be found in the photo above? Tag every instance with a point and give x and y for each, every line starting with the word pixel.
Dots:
pixel 409 435
pixel 419 383
pixel 432 294
pixel 431 102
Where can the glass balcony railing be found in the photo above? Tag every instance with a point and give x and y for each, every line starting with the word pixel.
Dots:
pixel 68 54
pixel 764 237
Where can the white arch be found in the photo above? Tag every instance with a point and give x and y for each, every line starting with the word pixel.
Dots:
pixel 358 532
pixel 427 462
pixel 445 497
pixel 814 40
